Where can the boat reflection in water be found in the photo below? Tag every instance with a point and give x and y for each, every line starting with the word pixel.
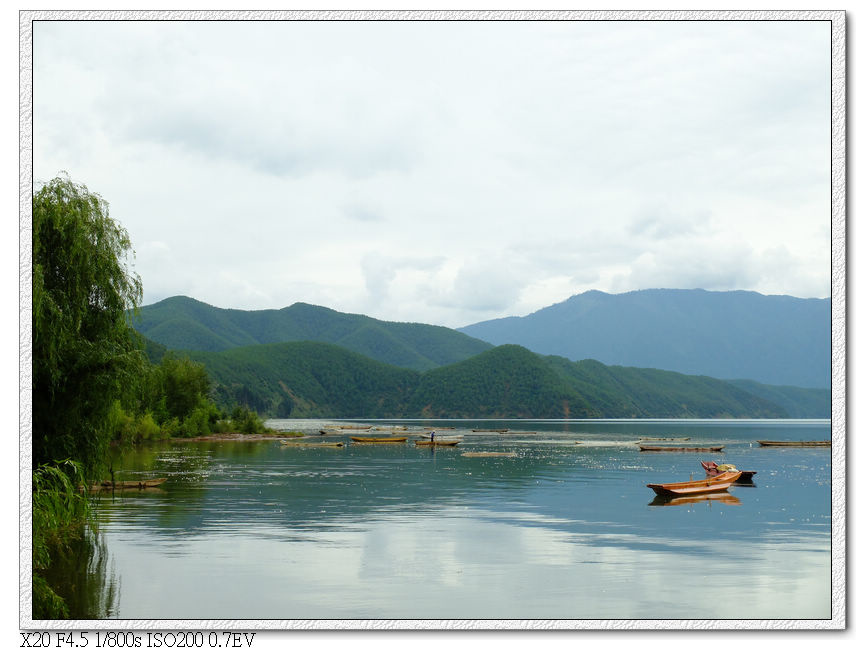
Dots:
pixel 721 497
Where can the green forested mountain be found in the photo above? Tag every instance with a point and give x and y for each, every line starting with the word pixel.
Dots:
pixel 181 323
pixel 307 379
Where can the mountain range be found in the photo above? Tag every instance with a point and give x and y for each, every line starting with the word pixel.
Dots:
pixel 308 361
pixel 726 334
pixel 310 379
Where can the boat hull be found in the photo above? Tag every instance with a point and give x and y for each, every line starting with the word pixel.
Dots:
pixel 312 444
pixel 707 485
pixel 128 485
pixel 685 449
pixel 436 443
pixel 490 454
pixel 377 440
pixel 795 443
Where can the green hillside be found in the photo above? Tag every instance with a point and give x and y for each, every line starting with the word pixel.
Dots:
pixel 307 379
pixel 798 402
pixel 181 323
pixel 618 391
pixel 507 381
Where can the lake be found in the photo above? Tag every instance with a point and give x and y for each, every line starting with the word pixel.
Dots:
pixel 255 530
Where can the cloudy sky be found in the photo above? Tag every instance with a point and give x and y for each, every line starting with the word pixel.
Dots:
pixel 446 172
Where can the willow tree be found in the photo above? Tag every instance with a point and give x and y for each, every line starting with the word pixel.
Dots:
pixel 84 352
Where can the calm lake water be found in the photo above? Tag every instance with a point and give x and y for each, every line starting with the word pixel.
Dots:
pixel 253 530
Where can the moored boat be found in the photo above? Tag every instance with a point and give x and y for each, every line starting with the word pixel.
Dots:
pixel 713 469
pixel 360 439
pixel 128 485
pixel 668 448
pixel 703 486
pixel 490 430
pixel 312 444
pixel 359 427
pixel 664 438
pixel 489 454
pixel 795 443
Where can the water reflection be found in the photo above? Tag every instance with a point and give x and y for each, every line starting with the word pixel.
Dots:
pixel 399 531
pixel 716 497
pixel 84 577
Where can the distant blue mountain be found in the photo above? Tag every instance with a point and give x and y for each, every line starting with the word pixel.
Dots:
pixel 778 340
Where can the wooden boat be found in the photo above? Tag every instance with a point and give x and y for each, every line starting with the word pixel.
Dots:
pixel 437 443
pixel 703 486
pixel 490 430
pixel 439 428
pixel 795 443
pixel 128 485
pixel 489 454
pixel 690 449
pixel 664 438
pixel 286 443
pixel 521 433
pixel 713 469
pixel 359 427
pixel 358 439
pixel 721 497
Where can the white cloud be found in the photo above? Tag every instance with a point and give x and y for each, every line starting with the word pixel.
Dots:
pixel 446 172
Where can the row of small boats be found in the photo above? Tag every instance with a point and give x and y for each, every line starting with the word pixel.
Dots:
pixel 716 448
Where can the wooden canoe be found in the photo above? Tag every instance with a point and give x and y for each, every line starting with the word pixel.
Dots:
pixel 359 439
pixel 521 433
pixel 489 454
pixel 664 438
pixel 437 443
pixel 722 497
pixel 490 430
pixel 128 485
pixel 663 448
pixel 795 443
pixel 703 486
pixel 358 427
pixel 437 428
pixel 312 444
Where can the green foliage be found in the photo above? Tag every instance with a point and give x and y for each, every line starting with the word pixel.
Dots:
pixel 245 421
pixel 129 429
pixel 182 323
pixel 60 513
pixel 84 356
pixel 184 384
